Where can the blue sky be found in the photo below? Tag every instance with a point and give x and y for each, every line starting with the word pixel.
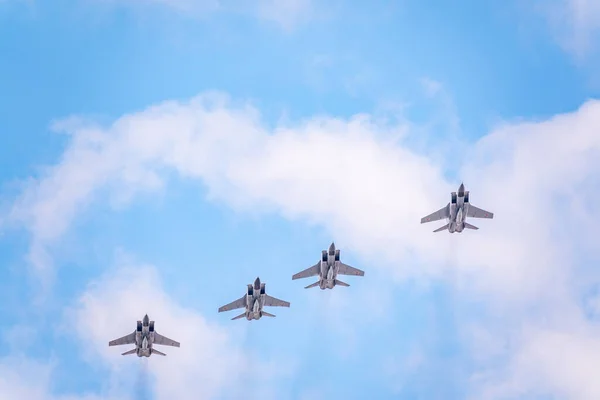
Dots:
pixel 157 156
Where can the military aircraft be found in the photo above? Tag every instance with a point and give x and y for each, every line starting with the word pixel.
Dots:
pixel 328 268
pixel 254 300
pixel 457 211
pixel 144 337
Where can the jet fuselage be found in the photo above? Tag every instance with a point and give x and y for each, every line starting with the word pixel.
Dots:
pixel 330 261
pixel 144 338
pixel 255 300
pixel 457 210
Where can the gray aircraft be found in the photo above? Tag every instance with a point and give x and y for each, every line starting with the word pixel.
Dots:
pixel 253 301
pixel 328 268
pixel 456 212
pixel 144 337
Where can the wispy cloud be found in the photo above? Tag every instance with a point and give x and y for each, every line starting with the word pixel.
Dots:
pixel 371 190
pixel 576 24
pixel 24 378
pixel 286 13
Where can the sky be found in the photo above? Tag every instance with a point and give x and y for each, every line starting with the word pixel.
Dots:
pixel 159 155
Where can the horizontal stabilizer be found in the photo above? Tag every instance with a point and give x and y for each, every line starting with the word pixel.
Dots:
pixel 469 226
pixel 154 351
pixel 312 285
pixel 129 352
pixel 266 314
pixel 443 228
pixel 340 283
pixel 242 315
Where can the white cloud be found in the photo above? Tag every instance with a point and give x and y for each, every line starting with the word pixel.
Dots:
pixel 210 363
pixel 559 362
pixel 286 13
pixel 431 86
pixel 576 23
pixel 205 365
pixel 359 181
pixel 23 378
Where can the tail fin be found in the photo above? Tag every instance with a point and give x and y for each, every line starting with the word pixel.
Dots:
pixel 154 351
pixel 469 226
pixel 266 314
pixel 130 352
pixel 443 228
pixel 313 285
pixel 242 315
pixel 340 283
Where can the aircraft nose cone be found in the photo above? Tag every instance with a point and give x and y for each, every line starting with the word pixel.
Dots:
pixel 146 319
pixel 461 188
pixel 332 248
pixel 257 283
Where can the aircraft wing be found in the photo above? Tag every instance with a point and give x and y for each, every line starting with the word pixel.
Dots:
pixel 273 302
pixel 239 303
pixel 436 216
pixel 164 341
pixel 475 212
pixel 345 269
pixel 127 339
pixel 312 271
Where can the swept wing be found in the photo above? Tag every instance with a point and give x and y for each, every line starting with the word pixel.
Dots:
pixel 475 212
pixel 239 303
pixel 312 271
pixel 164 341
pixel 273 302
pixel 345 269
pixel 442 213
pixel 127 339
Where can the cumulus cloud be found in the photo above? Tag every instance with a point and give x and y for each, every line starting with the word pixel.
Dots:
pixel 210 363
pixel 204 367
pixel 359 179
pixel 228 147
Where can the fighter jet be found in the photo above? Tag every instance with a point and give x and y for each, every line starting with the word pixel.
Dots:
pixel 254 300
pixel 457 211
pixel 328 268
pixel 144 337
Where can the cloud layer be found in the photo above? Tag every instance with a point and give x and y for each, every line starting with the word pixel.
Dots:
pixel 576 24
pixel 208 361
pixel 526 270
